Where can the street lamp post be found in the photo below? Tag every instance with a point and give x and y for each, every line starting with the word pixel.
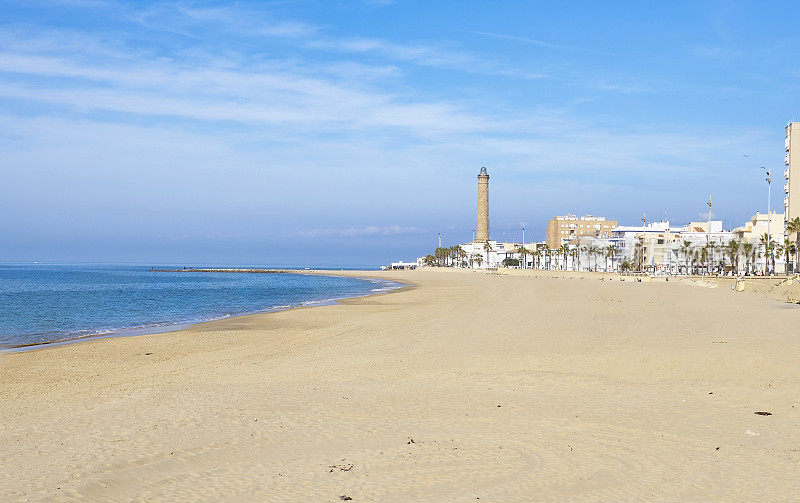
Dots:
pixel 769 218
pixel 708 236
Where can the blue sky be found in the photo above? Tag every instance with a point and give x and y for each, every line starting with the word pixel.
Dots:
pixel 351 132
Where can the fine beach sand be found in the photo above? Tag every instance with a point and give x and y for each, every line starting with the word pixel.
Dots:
pixel 467 386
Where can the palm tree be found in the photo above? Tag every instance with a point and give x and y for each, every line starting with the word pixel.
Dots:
pixel 769 252
pixel 686 248
pixel 564 251
pixel 487 247
pixel 712 254
pixel 597 251
pixel 704 256
pixel 456 256
pixel 747 251
pixel 593 251
pixel 461 254
pixel 789 249
pixel 793 227
pixel 638 254
pixel 523 253
pixel 478 259
pixel 732 249
pixel 441 255
pixel 611 251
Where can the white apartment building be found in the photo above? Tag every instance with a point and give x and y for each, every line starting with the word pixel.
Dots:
pixel 658 247
pixel 761 224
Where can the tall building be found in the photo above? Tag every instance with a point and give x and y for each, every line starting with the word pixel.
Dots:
pixel 482 230
pixel 791 175
pixel 761 224
pixel 563 229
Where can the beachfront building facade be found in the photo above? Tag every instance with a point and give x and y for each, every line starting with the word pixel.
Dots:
pixel 754 230
pixel 486 255
pixel 699 247
pixel 760 224
pixel 565 228
pixel 645 245
pixel 659 247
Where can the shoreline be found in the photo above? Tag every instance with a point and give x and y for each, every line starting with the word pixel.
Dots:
pixel 181 326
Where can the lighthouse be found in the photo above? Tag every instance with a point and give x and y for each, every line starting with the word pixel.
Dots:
pixel 482 229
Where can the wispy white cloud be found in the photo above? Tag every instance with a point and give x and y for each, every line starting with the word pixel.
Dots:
pixel 430 55
pixel 372 230
pixel 191 20
pixel 624 86
pixel 225 90
pixel 526 40
pixel 532 41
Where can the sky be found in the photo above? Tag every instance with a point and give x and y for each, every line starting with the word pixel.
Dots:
pixel 311 132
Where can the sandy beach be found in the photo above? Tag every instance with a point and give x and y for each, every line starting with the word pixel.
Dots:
pixel 464 387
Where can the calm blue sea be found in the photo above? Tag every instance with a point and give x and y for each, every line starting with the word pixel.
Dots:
pixel 54 303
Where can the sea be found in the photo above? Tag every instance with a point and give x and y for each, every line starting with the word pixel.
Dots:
pixel 59 303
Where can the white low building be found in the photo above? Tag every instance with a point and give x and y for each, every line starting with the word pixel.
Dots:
pixel 485 255
pixel 404 265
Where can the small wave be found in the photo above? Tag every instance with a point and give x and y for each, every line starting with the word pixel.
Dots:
pixel 183 318
pixel 321 301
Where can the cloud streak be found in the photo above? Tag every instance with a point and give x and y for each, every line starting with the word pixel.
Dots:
pixel 224 90
pixel 532 41
pixel 372 230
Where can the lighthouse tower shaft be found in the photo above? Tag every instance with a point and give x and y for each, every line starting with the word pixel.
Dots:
pixel 482 229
